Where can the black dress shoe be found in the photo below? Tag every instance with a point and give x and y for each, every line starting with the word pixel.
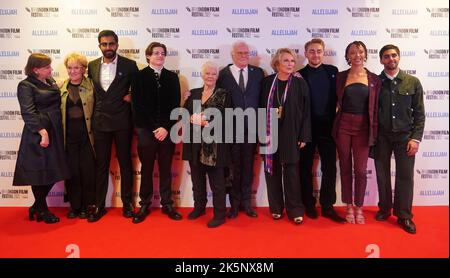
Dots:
pixel 382 215
pixel 47 217
pixel 83 214
pixel 72 214
pixel 233 212
pixel 330 213
pixel 31 212
pixel 196 213
pixel 250 212
pixel 142 214
pixel 171 212
pixel 214 223
pixel 128 210
pixel 311 212
pixel 407 225
pixel 97 214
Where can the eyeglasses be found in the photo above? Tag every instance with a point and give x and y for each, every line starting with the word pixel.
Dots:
pixel 106 44
pixel 243 53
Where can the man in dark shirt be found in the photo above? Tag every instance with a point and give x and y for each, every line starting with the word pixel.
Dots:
pixel 400 130
pixel 321 79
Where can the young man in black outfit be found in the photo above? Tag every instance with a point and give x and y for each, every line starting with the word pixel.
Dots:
pixel 321 79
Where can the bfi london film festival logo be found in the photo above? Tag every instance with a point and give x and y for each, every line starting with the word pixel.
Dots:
pixel 16 194
pixel 436 53
pixel 164 32
pixel 123 11
pixel 11 74
pixel 244 32
pixel 244 11
pixel 323 32
pixel 284 11
pixel 43 11
pixel 364 11
pixel 205 11
pixel 9 33
pixel 130 53
pixel 10 115
pixel 438 12
pixel 372 53
pixel 435 135
pixel 54 53
pixel 436 95
pixel 273 51
pixel 432 173
pixel 8 155
pixel 83 33
pixel 204 53
pixel 84 12
pixel 403 33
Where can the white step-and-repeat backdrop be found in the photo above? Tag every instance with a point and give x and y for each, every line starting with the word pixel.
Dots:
pixel 196 31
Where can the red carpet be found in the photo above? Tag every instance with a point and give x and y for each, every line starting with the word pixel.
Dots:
pixel 243 237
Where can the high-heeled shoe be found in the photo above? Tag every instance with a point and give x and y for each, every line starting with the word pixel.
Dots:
pixel 360 219
pixel 47 217
pixel 31 212
pixel 350 216
pixel 298 220
pixel 276 216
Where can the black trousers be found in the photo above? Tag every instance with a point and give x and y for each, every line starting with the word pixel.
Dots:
pixel 242 155
pixel 149 150
pixel 283 189
pixel 217 184
pixel 40 193
pixel 323 141
pixel 404 174
pixel 102 146
pixel 81 185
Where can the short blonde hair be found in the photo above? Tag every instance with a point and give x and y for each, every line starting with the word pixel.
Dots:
pixel 276 59
pixel 76 57
pixel 209 65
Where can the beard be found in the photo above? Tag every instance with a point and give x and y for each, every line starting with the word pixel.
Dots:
pixel 109 53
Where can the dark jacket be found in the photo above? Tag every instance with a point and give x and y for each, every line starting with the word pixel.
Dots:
pixel 401 105
pixel 40 108
pixel 153 103
pixel 374 84
pixel 111 112
pixel 332 74
pixel 296 125
pixel 191 150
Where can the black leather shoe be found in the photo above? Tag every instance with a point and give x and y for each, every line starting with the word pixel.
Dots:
pixel 382 215
pixel 96 215
pixel 127 210
pixel 47 217
pixel 233 212
pixel 31 212
pixel 72 214
pixel 311 212
pixel 330 213
pixel 250 212
pixel 83 214
pixel 142 214
pixel 171 212
pixel 214 223
pixel 407 225
pixel 196 213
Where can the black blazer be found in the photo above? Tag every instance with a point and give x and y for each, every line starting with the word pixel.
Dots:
pixel 296 125
pixel 332 72
pixel 153 103
pixel 111 112
pixel 191 150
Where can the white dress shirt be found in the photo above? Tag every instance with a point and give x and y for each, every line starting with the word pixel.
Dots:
pixel 236 71
pixel 108 73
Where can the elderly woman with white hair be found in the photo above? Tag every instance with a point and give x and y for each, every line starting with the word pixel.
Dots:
pixel 207 158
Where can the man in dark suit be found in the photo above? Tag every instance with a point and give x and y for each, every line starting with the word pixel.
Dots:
pixel 112 75
pixel 243 81
pixel 156 93
pixel 321 79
